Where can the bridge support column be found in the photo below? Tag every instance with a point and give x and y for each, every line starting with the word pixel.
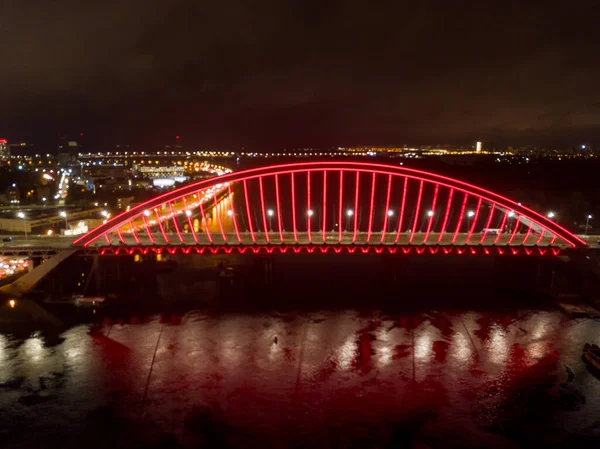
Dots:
pixel 267 263
pixel 33 262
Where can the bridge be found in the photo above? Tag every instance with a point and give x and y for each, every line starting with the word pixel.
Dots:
pixel 330 206
pixel 312 208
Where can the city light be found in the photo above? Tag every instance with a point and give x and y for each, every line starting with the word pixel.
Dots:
pixel 104 213
pixel 550 214
pixel 589 217
pixel 350 212
pixel 63 214
pixel 44 199
pixel 390 213
pixel 49 232
pixel 511 214
pixel 470 214
pixel 230 212
pixel 147 213
pixel 270 212
pixel 12 303
pixel 430 213
pixel 20 215
pixel 310 212
pixel 187 212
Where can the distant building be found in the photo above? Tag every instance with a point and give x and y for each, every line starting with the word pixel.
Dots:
pixel 4 149
pixel 478 147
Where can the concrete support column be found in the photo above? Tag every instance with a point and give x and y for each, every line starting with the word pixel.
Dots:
pixel 33 262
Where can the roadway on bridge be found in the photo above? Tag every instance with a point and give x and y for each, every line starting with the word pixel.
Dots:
pixel 62 242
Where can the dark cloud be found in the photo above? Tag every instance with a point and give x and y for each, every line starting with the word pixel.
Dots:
pixel 276 73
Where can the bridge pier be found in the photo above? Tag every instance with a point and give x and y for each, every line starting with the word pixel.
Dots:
pixel 33 262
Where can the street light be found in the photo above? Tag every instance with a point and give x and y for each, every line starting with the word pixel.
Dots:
pixel 587 223
pixel 550 214
pixel 105 213
pixel 21 215
pixel 64 215
pixel 310 212
pixel 430 213
pixel 470 214
pixel 230 212
pixel 349 212
pixel 270 214
pixel 390 213
pixel 188 213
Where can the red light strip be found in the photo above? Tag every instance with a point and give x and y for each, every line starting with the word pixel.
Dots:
pixel 553 239
pixel 162 229
pixel 217 212
pixel 402 209
pixel 262 207
pixel 175 222
pixel 120 235
pixel 512 236
pixel 435 194
pixel 308 216
pixel 147 229
pixel 107 238
pixel 210 239
pixel 446 215
pixel 371 207
pixel 294 209
pixel 135 236
pixel 487 223
pixel 417 210
pixel 248 211
pixel 111 224
pixel 341 209
pixel 189 219
pixel 278 208
pixel 350 249
pixel 537 242
pixel 356 207
pixel 526 235
pixel 235 225
pixel 460 217
pixel 324 206
pixel 387 208
pixel 474 221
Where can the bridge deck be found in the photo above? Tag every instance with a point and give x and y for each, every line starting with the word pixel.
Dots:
pixel 331 238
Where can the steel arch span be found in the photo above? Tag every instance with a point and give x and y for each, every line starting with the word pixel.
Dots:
pixel 331 204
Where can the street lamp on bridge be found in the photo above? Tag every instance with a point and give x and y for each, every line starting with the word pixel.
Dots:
pixel 470 214
pixel 587 224
pixel 270 214
pixel 349 213
pixel 22 216
pixel 551 215
pixel 64 215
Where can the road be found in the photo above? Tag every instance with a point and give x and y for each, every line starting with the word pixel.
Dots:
pixel 332 238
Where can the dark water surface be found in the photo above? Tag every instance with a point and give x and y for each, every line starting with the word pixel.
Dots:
pixel 336 378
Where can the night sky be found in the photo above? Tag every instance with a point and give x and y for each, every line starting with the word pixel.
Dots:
pixel 271 74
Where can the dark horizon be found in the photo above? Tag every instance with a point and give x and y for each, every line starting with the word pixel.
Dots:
pixel 281 75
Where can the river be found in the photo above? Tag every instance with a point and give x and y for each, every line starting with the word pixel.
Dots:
pixel 356 377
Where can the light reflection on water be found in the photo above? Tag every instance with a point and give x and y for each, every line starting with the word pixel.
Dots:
pixel 229 367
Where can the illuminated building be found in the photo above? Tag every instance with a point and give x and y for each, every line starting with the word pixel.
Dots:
pixel 4 150
pixel 478 147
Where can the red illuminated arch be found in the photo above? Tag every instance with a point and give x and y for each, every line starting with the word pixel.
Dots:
pixel 363 204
